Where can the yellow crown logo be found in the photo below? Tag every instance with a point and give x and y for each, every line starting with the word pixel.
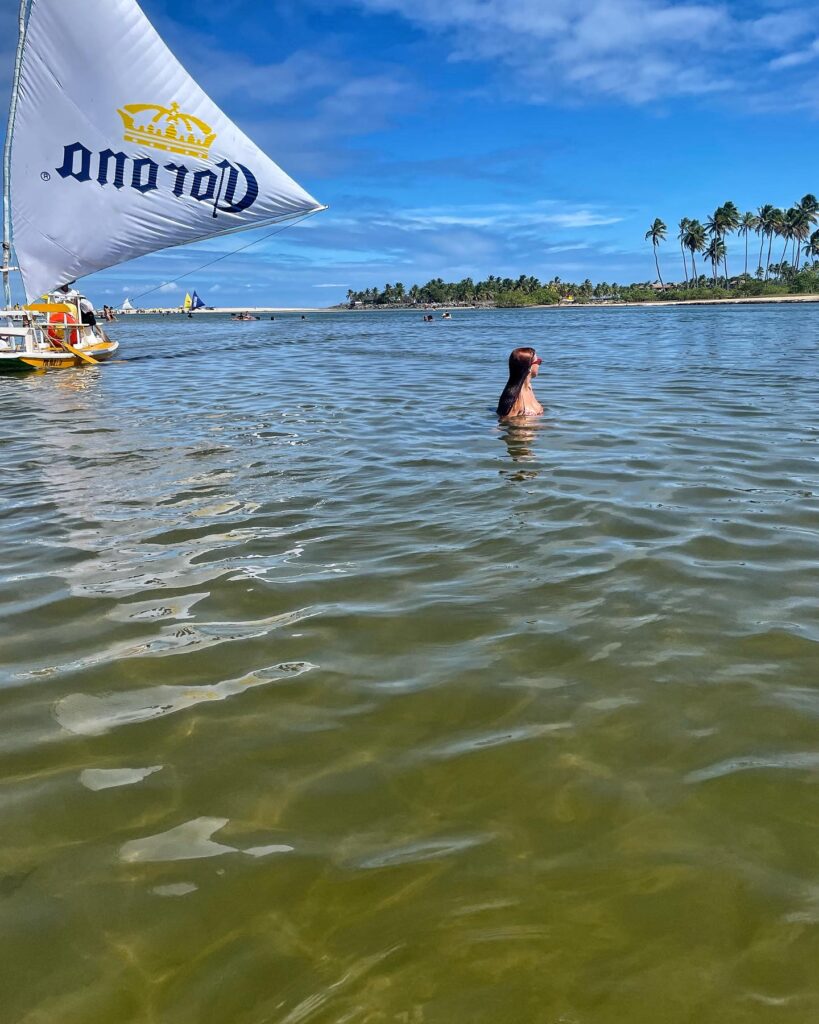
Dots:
pixel 151 124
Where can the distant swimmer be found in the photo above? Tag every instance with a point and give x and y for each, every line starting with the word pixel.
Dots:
pixel 446 316
pixel 518 398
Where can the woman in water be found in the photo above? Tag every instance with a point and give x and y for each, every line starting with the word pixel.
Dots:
pixel 518 398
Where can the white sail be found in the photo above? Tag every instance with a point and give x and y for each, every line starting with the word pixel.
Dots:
pixel 126 304
pixel 117 152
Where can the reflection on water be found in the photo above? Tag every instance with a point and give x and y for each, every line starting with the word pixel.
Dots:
pixel 108 778
pixel 315 710
pixel 521 437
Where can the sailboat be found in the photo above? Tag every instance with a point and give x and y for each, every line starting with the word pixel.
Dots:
pixel 112 152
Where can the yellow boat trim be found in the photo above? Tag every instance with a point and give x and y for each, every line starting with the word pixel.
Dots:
pixel 51 307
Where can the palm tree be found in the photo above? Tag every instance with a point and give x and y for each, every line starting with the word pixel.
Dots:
pixel 812 246
pixel 763 216
pixel 657 234
pixel 808 207
pixel 801 223
pixel 748 222
pixel 731 219
pixel 775 221
pixel 683 226
pixel 721 222
pixel 810 204
pixel 785 229
pixel 714 226
pixel 715 253
pixel 694 242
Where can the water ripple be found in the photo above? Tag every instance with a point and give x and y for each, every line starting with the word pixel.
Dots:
pixel 88 715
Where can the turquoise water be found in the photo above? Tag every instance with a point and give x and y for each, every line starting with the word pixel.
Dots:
pixel 325 699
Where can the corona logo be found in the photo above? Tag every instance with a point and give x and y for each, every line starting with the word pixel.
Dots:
pixel 168 128
pixel 229 188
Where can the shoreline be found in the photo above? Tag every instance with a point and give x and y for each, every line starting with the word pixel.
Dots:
pixel 253 310
pixel 739 301
pixel 654 304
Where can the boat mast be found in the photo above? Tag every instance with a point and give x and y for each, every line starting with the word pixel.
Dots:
pixel 15 85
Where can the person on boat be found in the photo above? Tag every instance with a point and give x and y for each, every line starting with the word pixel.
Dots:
pixel 518 398
pixel 88 315
pixel 65 294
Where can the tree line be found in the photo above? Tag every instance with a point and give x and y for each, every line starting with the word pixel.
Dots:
pixel 793 226
pixel 524 290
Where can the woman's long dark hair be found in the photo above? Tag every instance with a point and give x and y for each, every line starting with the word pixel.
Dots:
pixel 520 363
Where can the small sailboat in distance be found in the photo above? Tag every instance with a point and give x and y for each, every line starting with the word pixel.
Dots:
pixel 196 302
pixel 112 151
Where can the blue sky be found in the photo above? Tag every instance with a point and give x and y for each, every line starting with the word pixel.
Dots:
pixel 471 137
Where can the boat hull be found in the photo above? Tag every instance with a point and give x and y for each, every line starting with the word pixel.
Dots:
pixel 54 359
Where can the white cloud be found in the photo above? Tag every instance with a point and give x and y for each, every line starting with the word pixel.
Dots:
pixel 640 51
pixel 796 58
pixel 581 219
pixel 566 248
pixel 169 286
pixel 509 216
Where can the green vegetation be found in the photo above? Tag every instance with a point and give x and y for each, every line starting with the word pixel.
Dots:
pixel 793 226
pixel 494 291
pixel 528 291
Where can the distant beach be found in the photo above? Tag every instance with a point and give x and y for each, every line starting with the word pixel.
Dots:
pixel 269 310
